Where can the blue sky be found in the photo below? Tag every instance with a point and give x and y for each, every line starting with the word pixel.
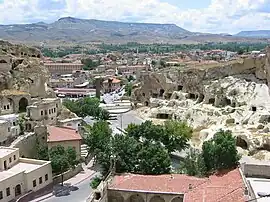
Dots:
pixel 215 16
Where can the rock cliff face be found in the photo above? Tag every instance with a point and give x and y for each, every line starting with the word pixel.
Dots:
pixel 232 96
pixel 21 69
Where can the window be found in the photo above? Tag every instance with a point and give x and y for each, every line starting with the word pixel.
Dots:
pixel 49 111
pixel 14 123
pixel 7 106
pixel 1 195
pixel 41 113
pixel 40 180
pixel 14 157
pixel 8 129
pixel 46 112
pixel 10 159
pixel 46 177
pixel 34 183
pixel 8 191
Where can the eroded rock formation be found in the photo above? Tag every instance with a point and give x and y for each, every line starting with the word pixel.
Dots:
pixel 21 69
pixel 232 96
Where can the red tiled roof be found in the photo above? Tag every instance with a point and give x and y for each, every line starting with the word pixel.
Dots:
pixel 228 187
pixel 59 134
pixel 114 80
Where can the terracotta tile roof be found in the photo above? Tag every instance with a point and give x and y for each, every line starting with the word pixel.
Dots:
pixel 157 183
pixel 60 134
pixel 114 80
pixel 226 187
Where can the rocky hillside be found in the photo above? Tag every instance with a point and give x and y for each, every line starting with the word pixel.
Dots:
pixel 21 69
pixel 232 96
pixel 73 30
pixel 255 34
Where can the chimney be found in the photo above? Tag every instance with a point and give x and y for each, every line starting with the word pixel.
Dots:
pixel 190 186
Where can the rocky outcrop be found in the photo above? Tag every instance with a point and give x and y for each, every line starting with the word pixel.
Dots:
pixel 22 69
pixel 233 96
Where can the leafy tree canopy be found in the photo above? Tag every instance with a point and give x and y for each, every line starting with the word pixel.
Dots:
pixel 87 107
pixel 220 152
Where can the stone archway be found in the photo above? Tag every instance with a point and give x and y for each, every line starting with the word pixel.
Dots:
pixel 115 197
pixel 157 199
pixel 23 103
pixel 18 190
pixel 177 199
pixel 135 198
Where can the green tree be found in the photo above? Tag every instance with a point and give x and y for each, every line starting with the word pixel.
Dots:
pixel 21 122
pixel 42 151
pixel 220 152
pixel 72 156
pixel 174 135
pixel 153 159
pixel 98 137
pixel 102 114
pixel 125 150
pixel 193 164
pixel 62 159
pixel 128 89
pixel 87 107
pixel 177 135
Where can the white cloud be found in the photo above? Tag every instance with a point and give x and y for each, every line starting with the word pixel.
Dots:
pixel 219 16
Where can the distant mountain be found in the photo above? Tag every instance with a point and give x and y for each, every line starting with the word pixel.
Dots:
pixel 74 30
pixel 255 34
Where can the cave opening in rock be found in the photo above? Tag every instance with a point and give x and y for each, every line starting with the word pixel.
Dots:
pixel 227 102
pixel 161 92
pixel 168 96
pixel 192 96
pixel 253 108
pixel 154 95
pixel 180 87
pixel 212 101
pixel 201 98
pixel 163 116
pixel 241 143
pixel 146 103
pixel 3 62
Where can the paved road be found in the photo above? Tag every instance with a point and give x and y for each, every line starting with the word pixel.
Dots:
pixel 79 195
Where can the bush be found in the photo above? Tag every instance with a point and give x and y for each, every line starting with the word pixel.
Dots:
pixel 95 182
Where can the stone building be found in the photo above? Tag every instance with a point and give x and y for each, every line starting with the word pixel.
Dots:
pixel 12 124
pixel 20 175
pixel 63 68
pixel 111 84
pixel 66 137
pixel 44 111
pixel 227 186
pixel 13 101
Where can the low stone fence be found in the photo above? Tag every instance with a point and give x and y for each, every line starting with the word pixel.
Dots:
pixel 256 170
pixel 68 174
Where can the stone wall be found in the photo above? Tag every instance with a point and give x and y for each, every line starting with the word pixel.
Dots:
pixel 28 142
pixel 68 174
pixel 256 171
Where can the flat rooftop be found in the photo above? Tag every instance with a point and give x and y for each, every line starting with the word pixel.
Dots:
pixel 4 151
pixel 9 116
pixel 18 168
pixel 260 185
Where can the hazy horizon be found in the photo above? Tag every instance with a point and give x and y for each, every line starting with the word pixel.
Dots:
pixel 209 16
